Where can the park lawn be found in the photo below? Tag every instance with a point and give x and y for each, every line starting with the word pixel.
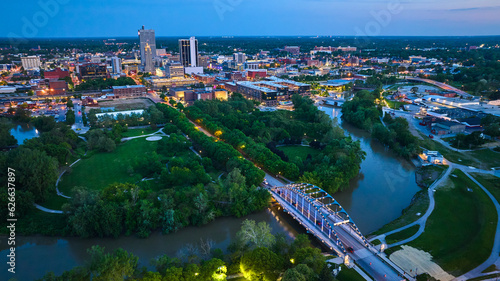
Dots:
pixel 459 233
pixel 489 158
pixel 293 151
pixel 420 204
pixel 103 169
pixel 402 235
pixel 395 104
pixel 138 132
pixel 490 182
pixel 54 202
pixel 349 274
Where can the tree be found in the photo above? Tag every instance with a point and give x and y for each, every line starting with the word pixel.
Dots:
pixel 6 139
pixel 69 103
pixel 22 115
pixel 261 264
pixel 70 117
pixel 256 235
pixel 118 265
pixel 35 170
pixel 44 123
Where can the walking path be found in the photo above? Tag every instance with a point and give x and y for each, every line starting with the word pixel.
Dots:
pixel 47 210
pixel 421 221
pixel 159 132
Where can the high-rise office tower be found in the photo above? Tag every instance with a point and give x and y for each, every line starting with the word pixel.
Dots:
pixel 148 48
pixel 116 63
pixel 188 51
pixel 239 57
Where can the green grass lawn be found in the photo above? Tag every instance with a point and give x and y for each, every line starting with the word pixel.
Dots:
pixel 349 274
pixel 459 233
pixel 403 234
pixel 293 151
pixel 419 205
pixel 490 182
pixel 488 158
pixel 395 104
pixel 54 202
pixel 102 169
pixel 138 132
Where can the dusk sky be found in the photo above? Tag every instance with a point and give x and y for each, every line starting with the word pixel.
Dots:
pixel 117 18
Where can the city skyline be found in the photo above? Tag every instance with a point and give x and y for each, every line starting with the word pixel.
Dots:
pixel 55 18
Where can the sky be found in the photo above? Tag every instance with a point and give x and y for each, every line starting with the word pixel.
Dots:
pixel 122 18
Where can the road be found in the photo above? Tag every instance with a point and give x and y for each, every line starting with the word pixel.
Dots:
pixel 367 258
pixel 78 127
pixel 440 85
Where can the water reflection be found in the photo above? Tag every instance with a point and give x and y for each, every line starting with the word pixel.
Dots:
pixel 384 187
pixel 23 131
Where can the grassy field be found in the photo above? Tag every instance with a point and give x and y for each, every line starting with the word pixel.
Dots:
pixel 349 274
pixel 54 202
pixel 138 132
pixel 395 104
pixel 419 204
pixel 488 158
pixel 300 151
pixel 483 158
pixel 102 169
pixel 404 234
pixel 459 234
pixel 490 182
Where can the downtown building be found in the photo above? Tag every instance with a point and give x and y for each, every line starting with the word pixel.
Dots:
pixel 31 62
pixel 148 49
pixel 188 55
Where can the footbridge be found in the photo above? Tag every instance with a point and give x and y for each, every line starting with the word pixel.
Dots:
pixel 324 217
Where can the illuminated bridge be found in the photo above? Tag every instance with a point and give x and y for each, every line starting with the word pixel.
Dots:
pixel 325 218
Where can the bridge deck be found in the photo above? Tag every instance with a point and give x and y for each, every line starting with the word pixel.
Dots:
pixel 343 238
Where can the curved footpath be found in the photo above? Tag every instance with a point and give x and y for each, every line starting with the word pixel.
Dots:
pixel 59 193
pixel 494 256
pixel 421 221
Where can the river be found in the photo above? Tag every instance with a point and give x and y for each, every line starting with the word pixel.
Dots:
pixel 377 196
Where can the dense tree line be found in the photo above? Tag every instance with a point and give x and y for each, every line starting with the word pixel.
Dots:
pixel 364 113
pixel 397 136
pixel 255 253
pixel 223 156
pixel 186 196
pixel 256 134
pixel 6 139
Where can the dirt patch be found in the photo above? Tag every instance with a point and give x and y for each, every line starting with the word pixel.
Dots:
pixel 411 259
pixel 126 104
pixel 425 176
